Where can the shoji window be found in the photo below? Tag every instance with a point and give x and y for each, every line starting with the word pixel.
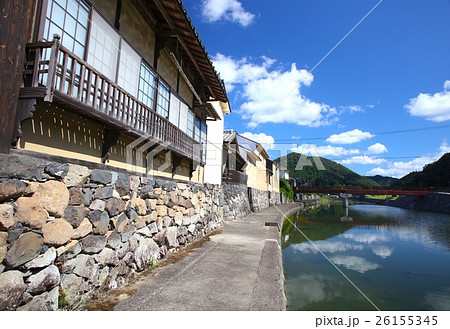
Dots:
pixel 129 68
pixel 68 19
pixel 190 124
pixel 147 81
pixel 163 99
pixel 174 112
pixel 183 124
pixel 103 47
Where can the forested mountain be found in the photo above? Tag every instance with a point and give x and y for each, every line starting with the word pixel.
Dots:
pixel 435 174
pixel 334 174
pixel 384 181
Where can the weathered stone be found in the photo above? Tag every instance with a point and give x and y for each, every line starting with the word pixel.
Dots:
pixel 114 241
pixel 75 215
pixel 174 197
pixel 132 215
pixel 69 251
pixel 48 301
pixel 107 257
pixel 101 176
pixel 181 186
pixel 87 197
pixel 161 210
pixel 53 196
pixel 6 216
pixel 30 212
pixel 171 236
pixel 145 231
pixel 76 196
pixel 71 285
pixel 153 228
pixel 127 232
pixel 12 189
pixel 23 167
pixel 185 203
pixel 114 206
pixel 3 247
pixel 171 212
pixel 27 247
pixel 57 232
pixel 104 192
pixel 97 205
pixel 58 170
pixel 145 252
pixel 82 265
pixel 43 260
pixel 93 244
pixel 84 229
pixel 123 184
pixel 151 203
pixel 121 222
pixel 12 289
pixel 139 205
pixel 192 228
pixel 182 230
pixel 76 175
pixel 43 280
pixel 103 223
pixel 160 238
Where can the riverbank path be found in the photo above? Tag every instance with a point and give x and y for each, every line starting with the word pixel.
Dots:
pixel 238 269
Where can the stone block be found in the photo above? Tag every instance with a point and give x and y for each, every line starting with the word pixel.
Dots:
pixel 12 288
pixel 93 244
pixel 53 196
pixel 76 175
pixel 57 232
pixel 26 248
pixel 30 212
pixel 43 280
pixel 6 216
pixel 11 189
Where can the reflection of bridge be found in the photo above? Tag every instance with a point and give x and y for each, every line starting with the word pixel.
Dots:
pixel 357 190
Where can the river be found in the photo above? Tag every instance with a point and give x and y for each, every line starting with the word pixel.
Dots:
pixel 373 257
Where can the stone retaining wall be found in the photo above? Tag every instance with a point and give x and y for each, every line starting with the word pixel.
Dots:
pixel 68 232
pixel 432 202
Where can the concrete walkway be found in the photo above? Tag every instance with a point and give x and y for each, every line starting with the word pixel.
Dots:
pixel 239 269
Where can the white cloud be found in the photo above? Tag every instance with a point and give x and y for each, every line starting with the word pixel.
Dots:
pixel 382 251
pixel 349 137
pixel 324 150
pixel 433 107
pixel 400 169
pixel 326 246
pixel 266 141
pixel 273 95
pixel 377 148
pixel 362 159
pixel 365 237
pixel 354 263
pixel 229 10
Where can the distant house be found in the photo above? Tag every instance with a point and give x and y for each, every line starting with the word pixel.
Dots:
pixel 127 83
pixel 247 157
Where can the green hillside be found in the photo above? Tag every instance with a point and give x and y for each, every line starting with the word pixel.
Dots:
pixel 334 174
pixel 436 174
pixel 384 181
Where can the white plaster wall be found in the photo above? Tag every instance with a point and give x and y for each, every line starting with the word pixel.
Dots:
pixel 213 166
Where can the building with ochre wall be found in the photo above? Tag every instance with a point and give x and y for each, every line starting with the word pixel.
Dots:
pixel 127 83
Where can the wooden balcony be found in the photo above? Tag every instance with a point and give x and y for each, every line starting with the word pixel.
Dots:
pixel 234 176
pixel 54 74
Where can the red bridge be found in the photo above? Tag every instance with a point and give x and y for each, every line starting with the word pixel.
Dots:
pixel 356 190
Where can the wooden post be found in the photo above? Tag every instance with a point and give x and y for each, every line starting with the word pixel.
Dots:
pixel 16 18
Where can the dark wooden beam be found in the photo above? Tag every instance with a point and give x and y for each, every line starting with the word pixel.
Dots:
pixel 117 18
pixel 110 138
pixel 16 21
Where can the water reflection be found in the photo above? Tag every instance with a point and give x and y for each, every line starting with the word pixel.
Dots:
pixel 399 258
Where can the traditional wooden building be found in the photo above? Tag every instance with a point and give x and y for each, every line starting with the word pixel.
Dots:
pixel 122 82
pixel 247 162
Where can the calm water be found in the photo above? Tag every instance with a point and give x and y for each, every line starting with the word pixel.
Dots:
pixel 400 259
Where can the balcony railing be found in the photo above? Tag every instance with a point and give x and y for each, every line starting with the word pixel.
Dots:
pixel 234 176
pixel 55 74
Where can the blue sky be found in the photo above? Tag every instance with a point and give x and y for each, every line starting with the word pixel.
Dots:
pixel 362 82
